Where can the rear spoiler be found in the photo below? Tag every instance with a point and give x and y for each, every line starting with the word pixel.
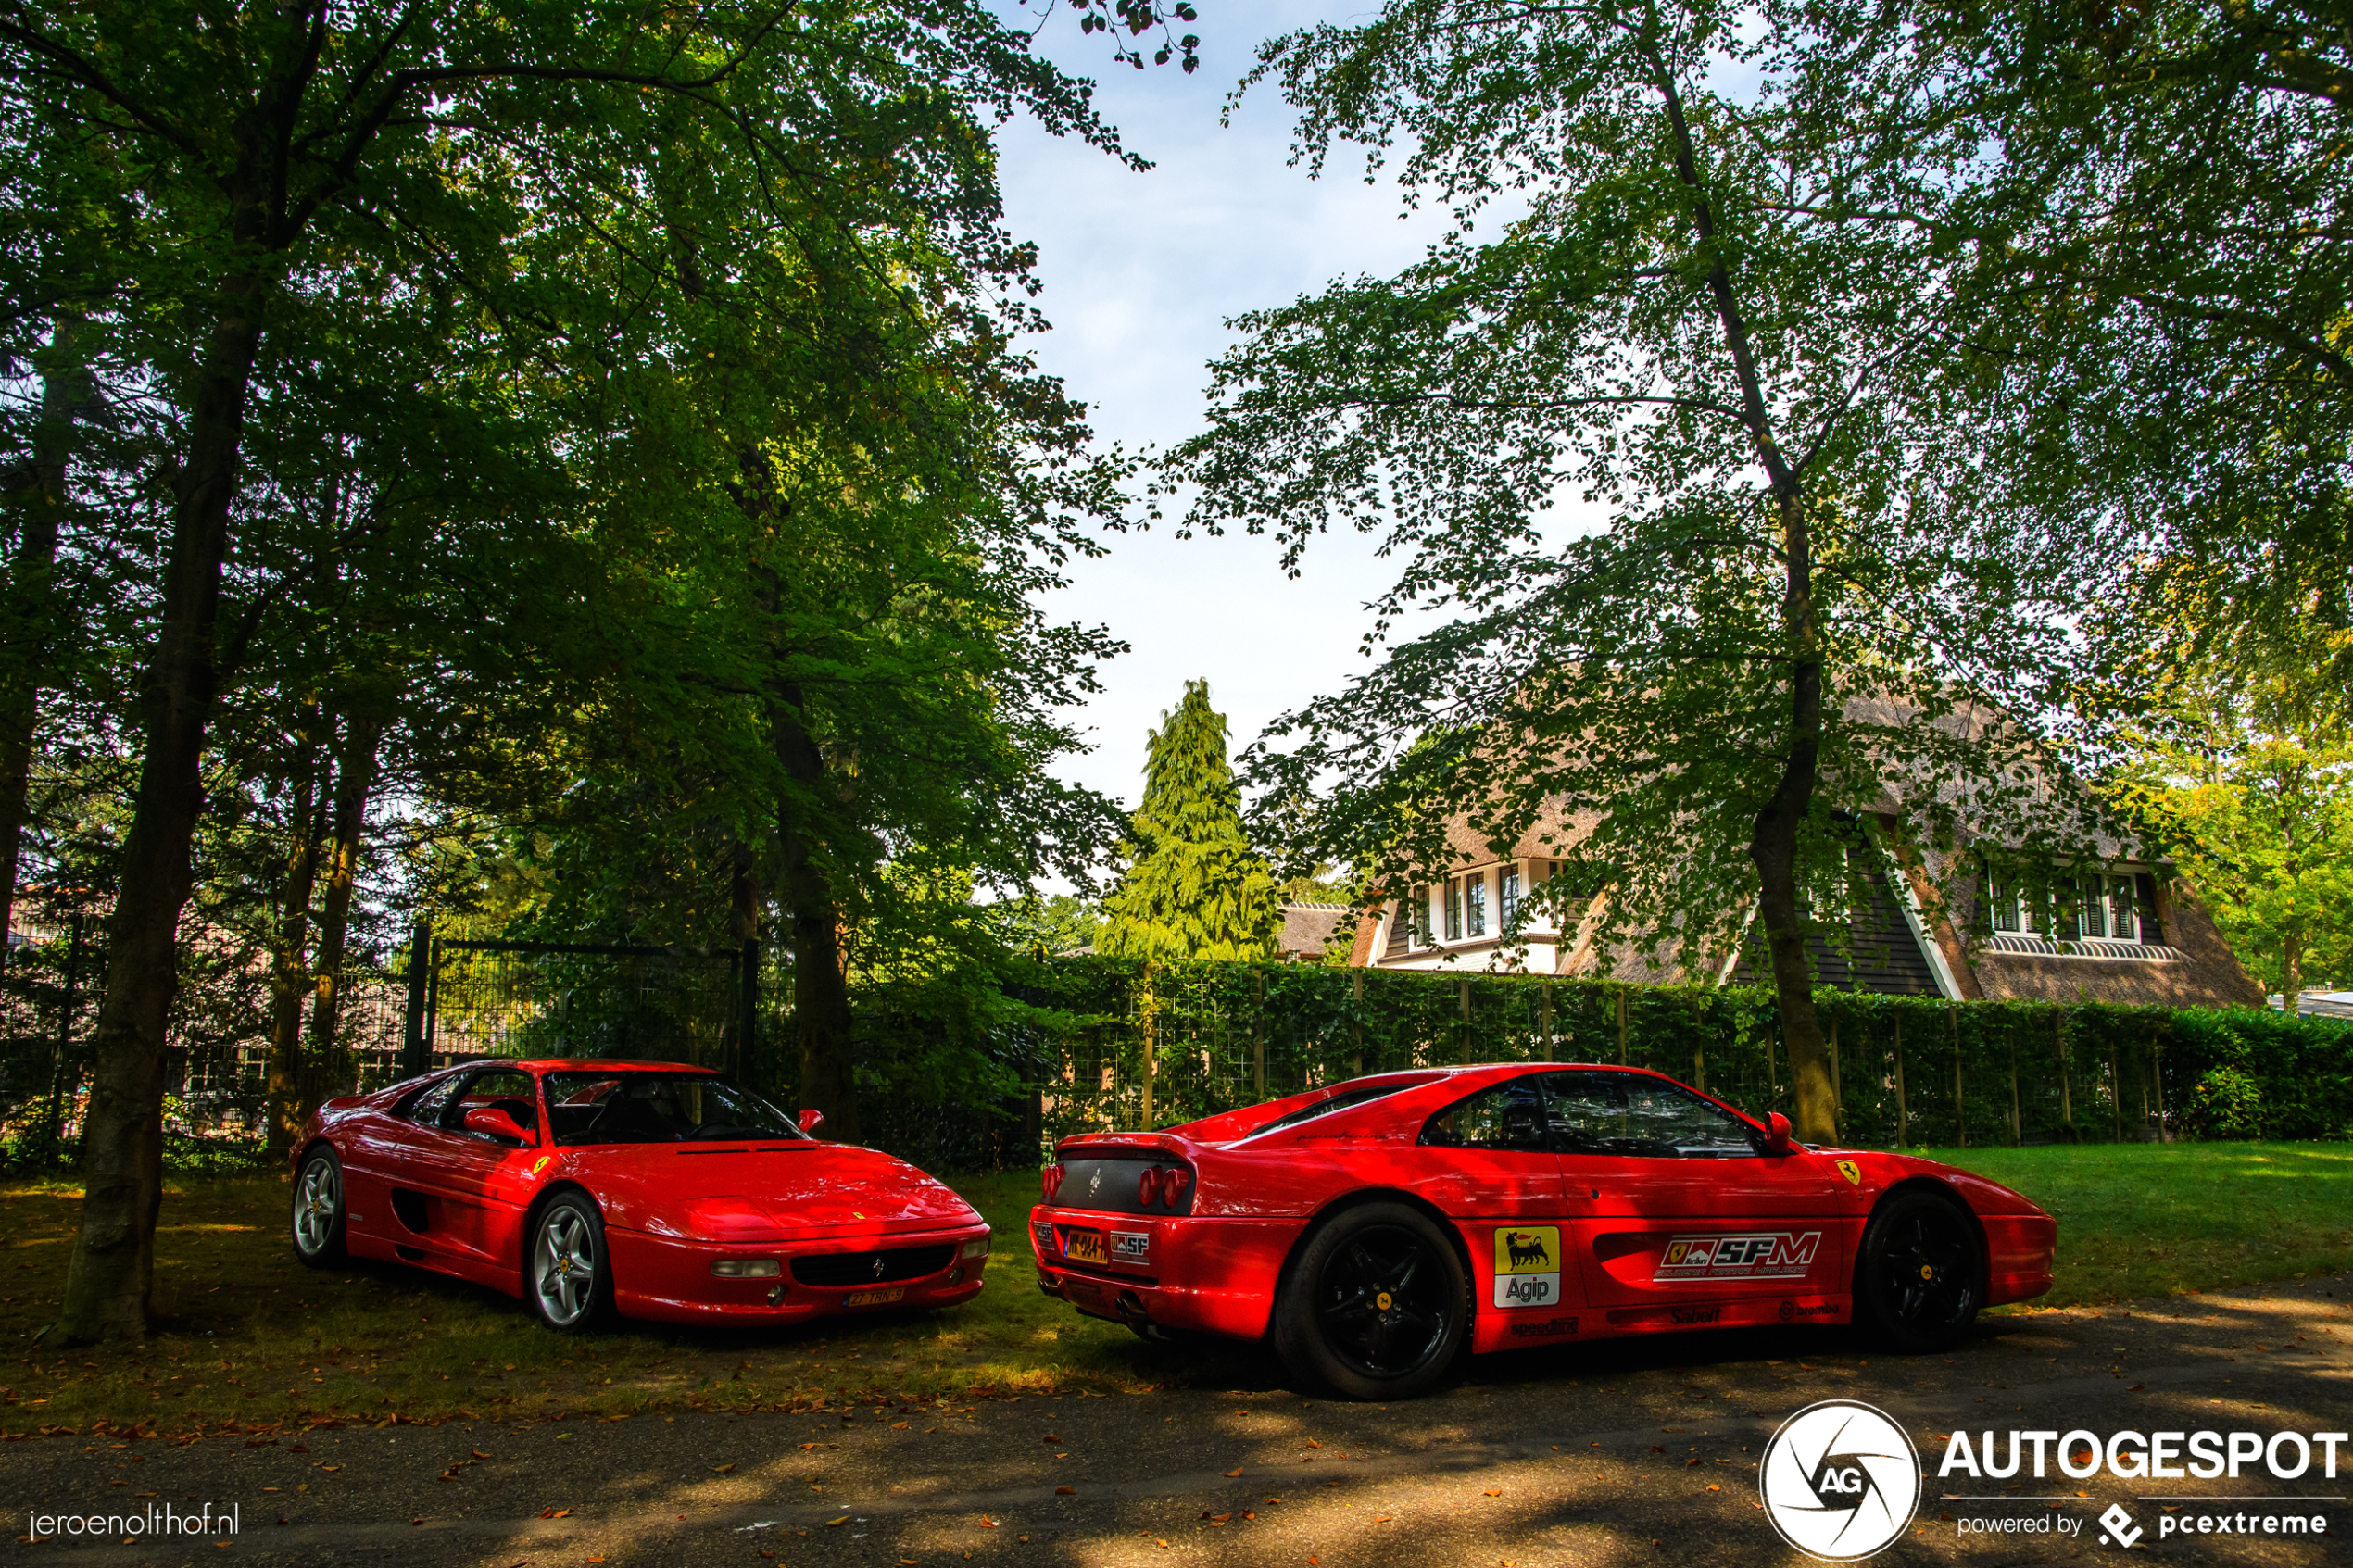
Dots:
pixel 1146 1145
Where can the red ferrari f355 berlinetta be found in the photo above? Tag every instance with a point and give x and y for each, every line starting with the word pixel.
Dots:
pixel 649 1188
pixel 1374 1226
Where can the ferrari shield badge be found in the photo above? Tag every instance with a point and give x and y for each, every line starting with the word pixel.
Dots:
pixel 1851 1172
pixel 1528 1266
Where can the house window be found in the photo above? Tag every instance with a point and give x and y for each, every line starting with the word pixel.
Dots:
pixel 1509 901
pixel 1453 909
pixel 1475 905
pixel 1401 928
pixel 2123 910
pixel 2004 899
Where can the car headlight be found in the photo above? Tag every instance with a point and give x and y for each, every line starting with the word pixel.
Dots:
pixel 977 1247
pixel 745 1268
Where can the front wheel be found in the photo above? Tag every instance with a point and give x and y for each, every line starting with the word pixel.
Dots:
pixel 570 1278
pixel 317 1210
pixel 1376 1305
pixel 1920 1277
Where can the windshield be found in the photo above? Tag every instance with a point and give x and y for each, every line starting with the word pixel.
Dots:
pixel 659 1108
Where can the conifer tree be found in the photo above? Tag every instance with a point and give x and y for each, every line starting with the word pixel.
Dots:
pixel 1194 888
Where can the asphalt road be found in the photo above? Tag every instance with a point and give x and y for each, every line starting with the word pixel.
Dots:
pixel 1632 1452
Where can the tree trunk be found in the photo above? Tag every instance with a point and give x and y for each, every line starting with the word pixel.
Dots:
pixel 354 782
pixel 821 992
pixel 111 1277
pixel 27 630
pixel 1773 837
pixel 290 955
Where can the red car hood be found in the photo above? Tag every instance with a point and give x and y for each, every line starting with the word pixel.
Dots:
pixel 742 1194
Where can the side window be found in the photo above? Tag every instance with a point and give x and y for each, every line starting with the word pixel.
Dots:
pixel 499 1088
pixel 425 1106
pixel 1506 1115
pixel 1630 1114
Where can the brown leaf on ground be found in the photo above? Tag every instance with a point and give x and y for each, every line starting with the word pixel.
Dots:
pixel 1066 1491
pixel 1231 1473
pixel 723 1469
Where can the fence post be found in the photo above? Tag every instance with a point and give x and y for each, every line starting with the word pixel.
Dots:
pixel 1622 1026
pixel 2017 1125
pixel 1356 1024
pixel 2067 1094
pixel 1152 1041
pixel 1464 1053
pixel 2116 1087
pixel 1960 1105
pixel 2157 1079
pixel 1258 1038
pixel 748 1030
pixel 1544 1017
pixel 1902 1114
pixel 416 1045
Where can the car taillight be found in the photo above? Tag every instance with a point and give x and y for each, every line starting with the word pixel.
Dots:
pixel 1147 1187
pixel 1050 1180
pixel 1173 1182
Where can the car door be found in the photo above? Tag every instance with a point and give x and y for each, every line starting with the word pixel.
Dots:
pixel 1487 1162
pixel 444 1180
pixel 1676 1204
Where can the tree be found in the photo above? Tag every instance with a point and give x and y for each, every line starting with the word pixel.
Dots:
pixel 1193 887
pixel 284 149
pixel 1719 322
pixel 2242 760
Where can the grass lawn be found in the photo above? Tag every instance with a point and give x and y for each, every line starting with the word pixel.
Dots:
pixel 253 1337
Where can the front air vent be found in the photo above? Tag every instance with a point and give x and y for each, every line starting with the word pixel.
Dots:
pixel 849 1270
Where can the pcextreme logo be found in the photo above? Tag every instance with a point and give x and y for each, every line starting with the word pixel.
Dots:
pixel 1839 1481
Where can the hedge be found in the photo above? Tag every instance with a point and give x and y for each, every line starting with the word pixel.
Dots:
pixel 1100 1043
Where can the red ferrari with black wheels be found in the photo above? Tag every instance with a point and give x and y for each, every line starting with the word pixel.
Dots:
pixel 643 1189
pixel 1378 1228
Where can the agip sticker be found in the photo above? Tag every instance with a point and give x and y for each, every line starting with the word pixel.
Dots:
pixel 1528 1266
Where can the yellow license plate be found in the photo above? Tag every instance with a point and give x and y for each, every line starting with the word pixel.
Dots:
pixel 1085 1247
pixel 873 1297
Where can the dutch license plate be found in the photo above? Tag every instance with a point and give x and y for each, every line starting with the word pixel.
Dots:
pixel 873 1297
pixel 1085 1247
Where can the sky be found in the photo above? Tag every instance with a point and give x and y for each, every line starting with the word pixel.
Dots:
pixel 1142 272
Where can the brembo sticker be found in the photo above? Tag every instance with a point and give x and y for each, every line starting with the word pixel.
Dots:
pixel 1765 1255
pixel 1528 1266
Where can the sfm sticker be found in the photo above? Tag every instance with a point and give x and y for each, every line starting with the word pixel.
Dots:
pixel 1768 1255
pixel 1131 1247
pixel 1528 1266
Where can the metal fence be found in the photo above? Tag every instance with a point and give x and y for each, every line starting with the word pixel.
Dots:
pixel 486 998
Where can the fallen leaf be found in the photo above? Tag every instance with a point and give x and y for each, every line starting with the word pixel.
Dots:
pixel 1689 1462
pixel 1052 1438
pixel 2137 1387
pixel 1066 1491
pixel 1231 1473
pixel 722 1469
pixel 478 1453
pixel 1380 1518
pixel 595 1559
pixel 1495 1494
pixel 1313 1444
pixel 1658 1447
pixel 986 1523
pixel 835 1524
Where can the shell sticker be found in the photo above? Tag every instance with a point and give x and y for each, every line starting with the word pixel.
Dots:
pixel 1851 1172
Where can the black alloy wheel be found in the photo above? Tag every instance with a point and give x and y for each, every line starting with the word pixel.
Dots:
pixel 1375 1305
pixel 1921 1275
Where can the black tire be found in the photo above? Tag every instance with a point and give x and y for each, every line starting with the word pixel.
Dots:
pixel 1376 1306
pixel 1920 1275
pixel 318 1225
pixel 567 1273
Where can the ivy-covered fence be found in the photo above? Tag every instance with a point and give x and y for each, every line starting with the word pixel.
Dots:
pixel 1125 1045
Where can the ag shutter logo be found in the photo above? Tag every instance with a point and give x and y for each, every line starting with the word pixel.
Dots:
pixel 1528 1266
pixel 1839 1481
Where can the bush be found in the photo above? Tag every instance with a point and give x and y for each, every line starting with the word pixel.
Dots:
pixel 2227 1103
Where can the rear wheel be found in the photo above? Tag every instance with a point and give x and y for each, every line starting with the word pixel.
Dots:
pixel 570 1277
pixel 1920 1277
pixel 318 1209
pixel 1376 1306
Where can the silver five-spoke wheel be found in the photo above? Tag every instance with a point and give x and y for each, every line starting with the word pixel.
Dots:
pixel 568 1271
pixel 318 1209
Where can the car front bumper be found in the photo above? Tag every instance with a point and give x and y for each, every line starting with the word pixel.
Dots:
pixel 669 1279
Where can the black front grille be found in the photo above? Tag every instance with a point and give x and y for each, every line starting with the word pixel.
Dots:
pixel 843 1269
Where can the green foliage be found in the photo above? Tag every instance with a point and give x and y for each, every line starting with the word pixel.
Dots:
pixel 1193 887
pixel 1909 1070
pixel 1720 324
pixel 2227 1103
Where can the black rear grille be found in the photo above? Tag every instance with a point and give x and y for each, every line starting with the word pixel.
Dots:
pixel 841 1269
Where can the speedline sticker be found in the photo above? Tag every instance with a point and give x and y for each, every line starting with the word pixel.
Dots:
pixel 1757 1255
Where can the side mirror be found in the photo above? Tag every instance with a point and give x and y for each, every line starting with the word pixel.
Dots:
pixel 494 1122
pixel 810 1120
pixel 1776 1138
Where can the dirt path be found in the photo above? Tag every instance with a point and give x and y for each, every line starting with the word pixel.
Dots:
pixel 1639 1451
